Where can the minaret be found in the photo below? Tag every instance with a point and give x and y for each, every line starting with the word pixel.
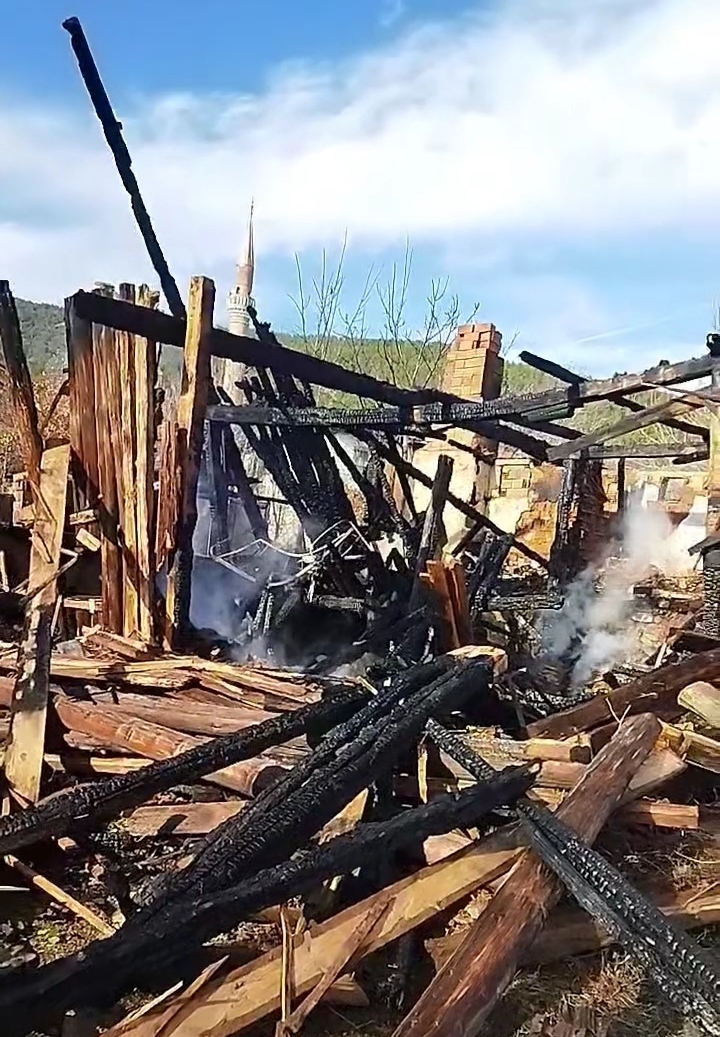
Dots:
pixel 240 297
pixel 238 318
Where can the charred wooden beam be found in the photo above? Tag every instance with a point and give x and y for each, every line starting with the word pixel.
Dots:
pixel 432 525
pixel 110 966
pixel 160 327
pixel 656 691
pixel 681 450
pixel 647 416
pixel 686 975
pixel 459 413
pixel 113 135
pixel 90 805
pixel 462 506
pixel 461 996
pixel 289 813
pixel 625 384
pixel 563 375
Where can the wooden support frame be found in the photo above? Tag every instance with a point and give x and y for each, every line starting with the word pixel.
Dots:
pixel 564 375
pixel 645 417
pixel 189 435
pixel 24 756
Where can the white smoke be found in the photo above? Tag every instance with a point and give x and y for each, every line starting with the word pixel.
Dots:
pixel 595 623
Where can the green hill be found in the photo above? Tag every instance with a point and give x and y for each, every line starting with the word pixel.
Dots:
pixel 43 334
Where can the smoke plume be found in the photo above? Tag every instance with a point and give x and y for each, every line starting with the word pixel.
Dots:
pixel 593 629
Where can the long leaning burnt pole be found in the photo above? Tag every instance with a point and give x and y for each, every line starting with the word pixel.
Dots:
pixel 113 135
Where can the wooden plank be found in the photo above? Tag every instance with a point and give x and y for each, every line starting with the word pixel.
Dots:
pixel 145 375
pixel 699 750
pixel 252 992
pixel 190 417
pixel 168 499
pixel 127 484
pixel 183 819
pixel 656 692
pixel 461 996
pixel 438 581
pixel 106 382
pixel 570 932
pixel 116 729
pixel 183 715
pixel 24 755
pixel 81 405
pixel 703 700
pixel 344 959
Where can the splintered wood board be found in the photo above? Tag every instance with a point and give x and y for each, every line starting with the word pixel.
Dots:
pixel 26 744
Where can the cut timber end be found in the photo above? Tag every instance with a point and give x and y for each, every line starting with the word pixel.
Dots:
pixel 24 756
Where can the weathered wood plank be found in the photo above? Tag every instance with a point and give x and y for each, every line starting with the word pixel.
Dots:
pixel 145 375
pixel 106 387
pixel 127 485
pixel 24 756
pixel 82 403
pixel 190 417
pixel 252 992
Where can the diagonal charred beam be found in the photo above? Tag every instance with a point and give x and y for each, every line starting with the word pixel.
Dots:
pixel 461 505
pixel 110 966
pixel 113 135
pixel 160 327
pixel 564 375
pixel 87 806
pixel 684 974
pixel 646 416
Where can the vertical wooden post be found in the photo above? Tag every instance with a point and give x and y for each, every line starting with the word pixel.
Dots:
pixel 145 374
pixel 190 419
pixel 432 523
pixel 621 487
pixel 107 417
pixel 82 407
pixel 711 558
pixel 127 487
pixel 24 755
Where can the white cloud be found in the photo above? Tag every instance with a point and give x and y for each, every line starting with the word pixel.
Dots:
pixel 546 120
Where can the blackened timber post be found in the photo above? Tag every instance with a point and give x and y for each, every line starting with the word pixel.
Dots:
pixel 711 558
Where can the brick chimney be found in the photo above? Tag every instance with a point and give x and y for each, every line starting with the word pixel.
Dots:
pixel 473 365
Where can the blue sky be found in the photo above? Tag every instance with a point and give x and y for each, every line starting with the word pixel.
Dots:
pixel 556 162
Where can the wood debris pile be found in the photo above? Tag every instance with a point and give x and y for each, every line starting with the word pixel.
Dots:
pixel 381 766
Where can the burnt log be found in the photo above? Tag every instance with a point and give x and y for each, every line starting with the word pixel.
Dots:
pixel 654 692
pixel 289 813
pixel 109 967
pixel 90 805
pixel 686 975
